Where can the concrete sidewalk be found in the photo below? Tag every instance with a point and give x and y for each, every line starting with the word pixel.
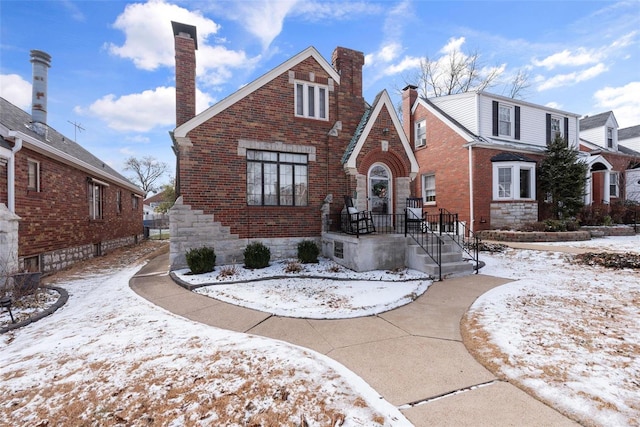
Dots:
pixel 413 356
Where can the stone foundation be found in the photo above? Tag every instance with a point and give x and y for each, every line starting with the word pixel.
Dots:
pixel 513 214
pixel 534 236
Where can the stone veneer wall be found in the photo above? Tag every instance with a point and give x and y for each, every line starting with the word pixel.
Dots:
pixel 191 228
pixel 513 214
pixel 534 236
pixel 63 258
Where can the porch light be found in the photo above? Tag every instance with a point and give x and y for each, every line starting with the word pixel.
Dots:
pixel 5 302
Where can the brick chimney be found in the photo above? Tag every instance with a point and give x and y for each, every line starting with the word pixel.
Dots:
pixel 186 43
pixel 349 64
pixel 41 62
pixel 409 96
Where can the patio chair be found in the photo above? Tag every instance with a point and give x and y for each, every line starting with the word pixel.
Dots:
pixel 356 222
pixel 414 216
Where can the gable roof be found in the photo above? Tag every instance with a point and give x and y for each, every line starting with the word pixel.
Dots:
pixel 364 128
pixel 181 131
pixel 628 133
pixel 591 122
pixel 16 123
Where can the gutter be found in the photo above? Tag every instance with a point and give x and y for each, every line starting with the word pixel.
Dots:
pixel 11 176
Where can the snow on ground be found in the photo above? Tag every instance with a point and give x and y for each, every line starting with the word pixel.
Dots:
pixel 109 357
pixel 567 332
pixel 319 291
pixel 629 244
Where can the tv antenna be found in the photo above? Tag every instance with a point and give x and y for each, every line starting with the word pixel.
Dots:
pixel 76 127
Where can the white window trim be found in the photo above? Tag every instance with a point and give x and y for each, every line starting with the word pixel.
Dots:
pixel 424 189
pixel 420 142
pixel 94 213
pixel 515 167
pixel 37 163
pixel 614 180
pixel 305 100
pixel 560 125
pixel 512 125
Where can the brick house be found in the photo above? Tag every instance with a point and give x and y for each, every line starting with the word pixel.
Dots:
pixel 273 161
pixel 610 163
pixel 58 203
pixel 478 154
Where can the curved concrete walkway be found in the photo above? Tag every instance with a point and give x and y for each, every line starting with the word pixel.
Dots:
pixel 413 355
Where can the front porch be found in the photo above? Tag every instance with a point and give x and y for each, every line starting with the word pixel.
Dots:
pixel 436 244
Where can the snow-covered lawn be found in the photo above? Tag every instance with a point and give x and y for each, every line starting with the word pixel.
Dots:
pixel 109 357
pixel 567 332
pixel 329 291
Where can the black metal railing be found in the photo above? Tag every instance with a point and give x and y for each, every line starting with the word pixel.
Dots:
pixel 418 229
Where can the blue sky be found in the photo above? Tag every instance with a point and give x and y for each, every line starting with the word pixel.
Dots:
pixel 113 61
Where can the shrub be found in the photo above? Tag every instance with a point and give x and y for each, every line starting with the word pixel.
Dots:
pixel 201 260
pixel 308 252
pixel 293 267
pixel 256 255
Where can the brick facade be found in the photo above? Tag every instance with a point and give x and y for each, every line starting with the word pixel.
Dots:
pixel 55 220
pixel 213 162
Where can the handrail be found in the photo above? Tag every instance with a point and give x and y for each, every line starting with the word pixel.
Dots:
pixel 470 241
pixel 424 237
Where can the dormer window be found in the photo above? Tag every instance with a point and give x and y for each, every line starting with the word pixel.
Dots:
pixel 505 122
pixel 609 137
pixel 421 133
pixel 556 128
pixel 311 101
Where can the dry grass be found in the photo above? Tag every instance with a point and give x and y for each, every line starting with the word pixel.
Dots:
pixel 192 384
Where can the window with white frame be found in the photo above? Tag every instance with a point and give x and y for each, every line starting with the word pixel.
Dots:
pixel 33 175
pixel 429 188
pixel 556 128
pixel 505 120
pixel 311 100
pixel 614 188
pixel 610 137
pixel 134 202
pixel 421 133
pixel 276 179
pixel 514 181
pixel 96 197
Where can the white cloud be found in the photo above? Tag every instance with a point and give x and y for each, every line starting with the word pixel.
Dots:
pixel 315 11
pixel 453 45
pixel 407 63
pixel 16 90
pixel 554 105
pixel 140 112
pixel 264 18
pixel 570 78
pixel 387 53
pixel 623 100
pixel 578 58
pixel 149 36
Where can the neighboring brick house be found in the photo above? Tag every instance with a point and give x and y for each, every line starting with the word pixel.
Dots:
pixel 266 162
pixel 609 161
pixel 71 206
pixel 478 154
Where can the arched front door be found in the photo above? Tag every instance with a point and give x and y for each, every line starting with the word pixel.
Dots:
pixel 380 188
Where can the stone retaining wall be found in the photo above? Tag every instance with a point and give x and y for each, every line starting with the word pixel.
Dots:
pixel 615 230
pixel 534 236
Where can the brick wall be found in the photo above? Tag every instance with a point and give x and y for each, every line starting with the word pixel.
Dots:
pixel 213 170
pixel 57 217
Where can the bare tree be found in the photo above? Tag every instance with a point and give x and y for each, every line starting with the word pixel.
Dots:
pixel 146 172
pixel 519 84
pixel 459 72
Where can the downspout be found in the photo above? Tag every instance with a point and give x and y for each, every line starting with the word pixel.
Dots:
pixel 471 213
pixel 11 176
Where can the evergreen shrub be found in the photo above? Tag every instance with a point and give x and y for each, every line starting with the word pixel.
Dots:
pixel 201 260
pixel 308 252
pixel 256 255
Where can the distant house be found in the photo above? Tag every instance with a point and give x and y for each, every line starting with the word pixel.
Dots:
pixel 273 161
pixel 478 153
pixel 58 203
pixel 630 138
pixel 609 161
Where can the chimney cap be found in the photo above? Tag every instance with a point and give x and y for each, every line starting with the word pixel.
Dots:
pixel 179 28
pixel 40 56
pixel 412 87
